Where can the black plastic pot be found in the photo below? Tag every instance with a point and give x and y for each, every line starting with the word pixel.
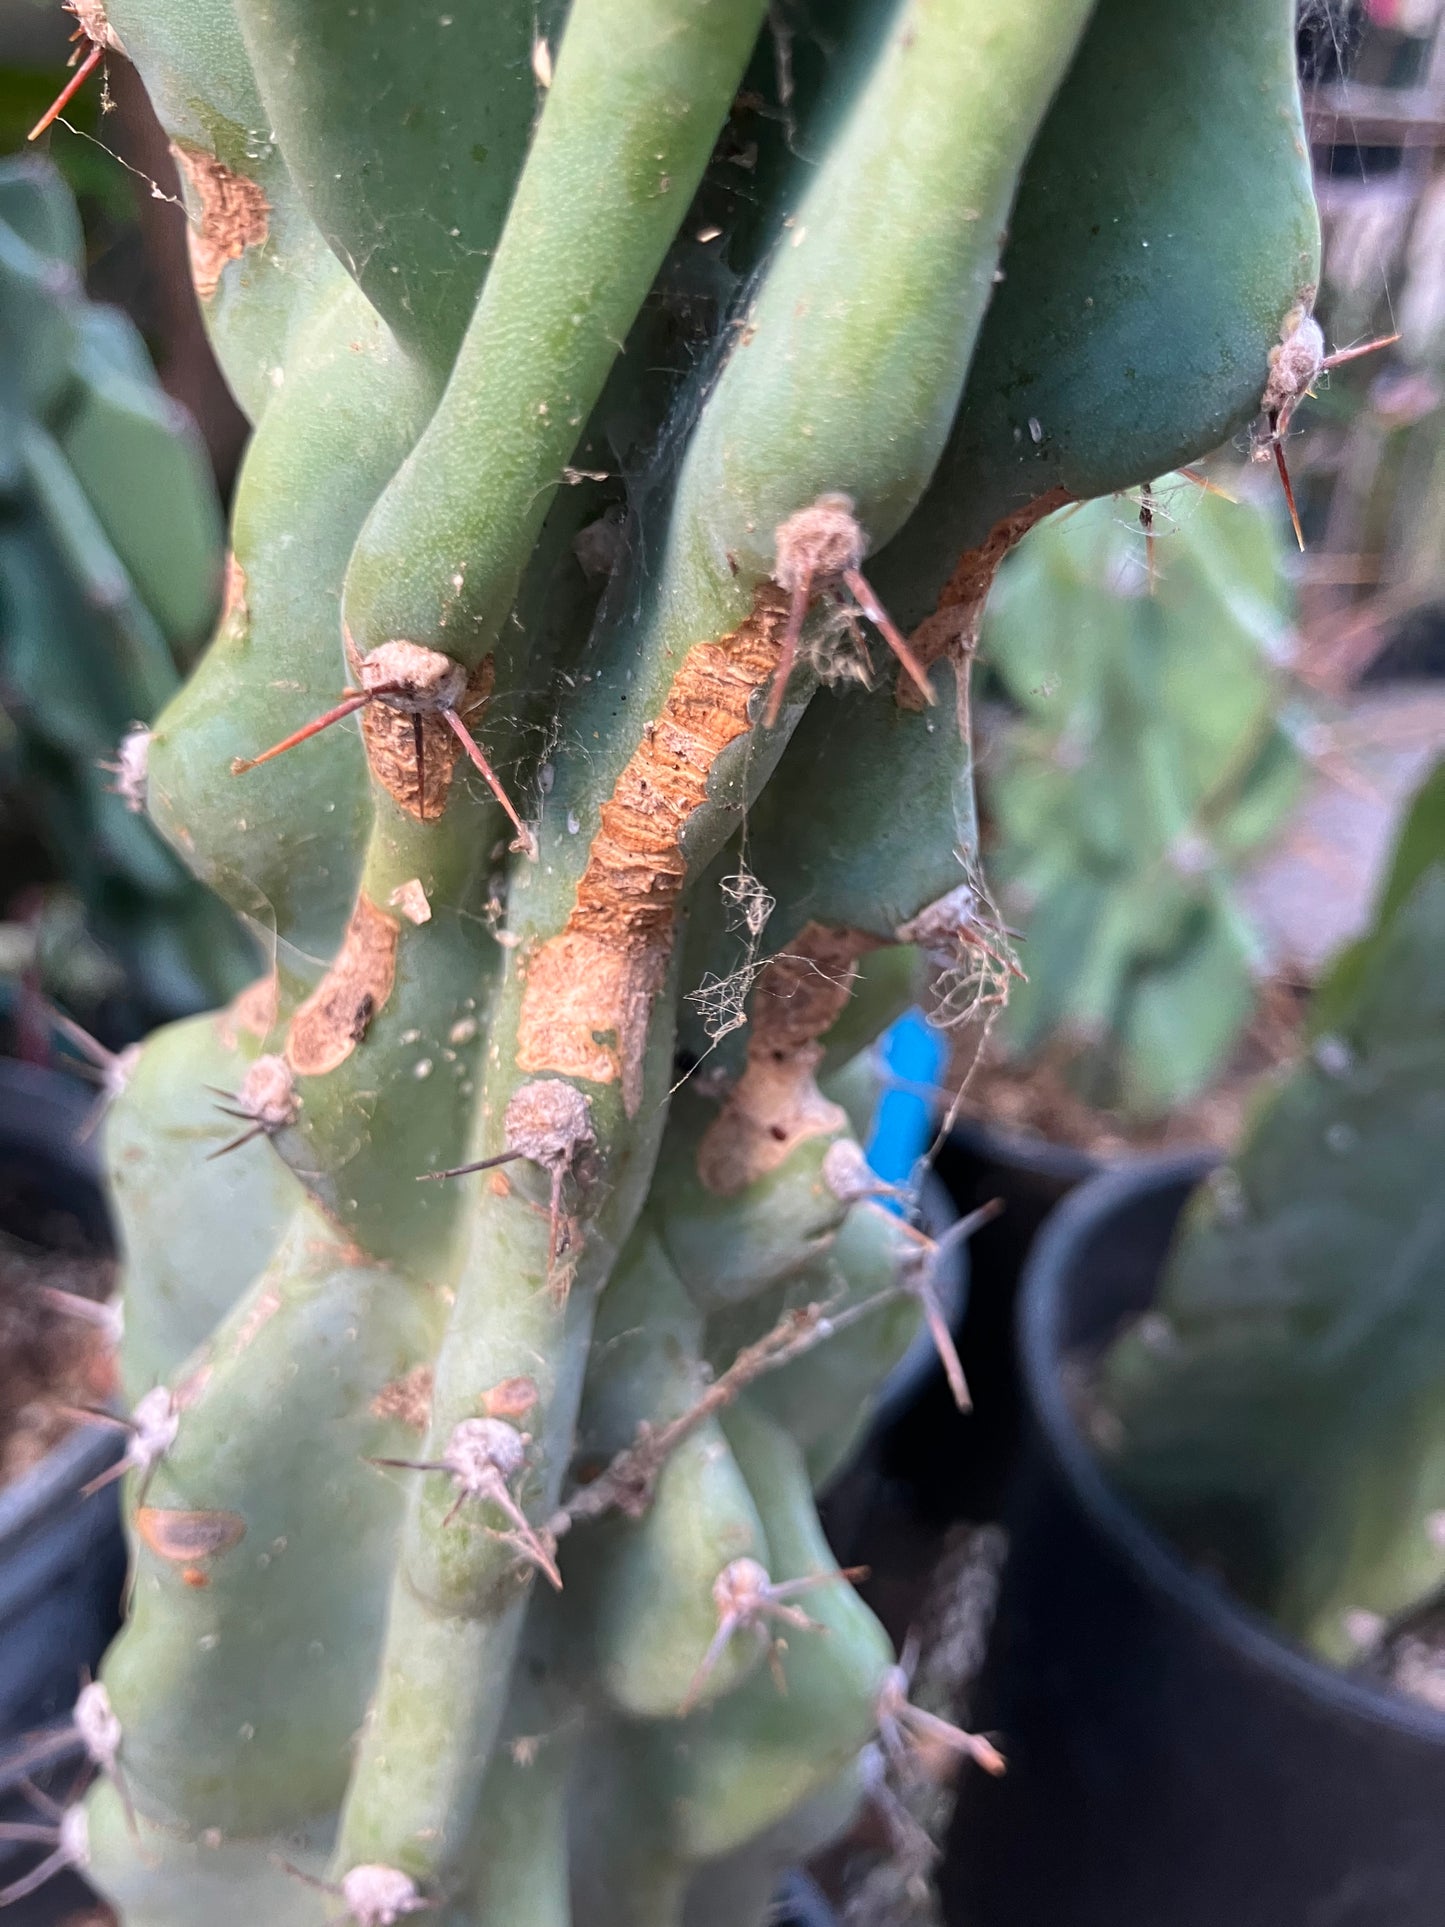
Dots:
pixel 1172 1762
pixel 62 1558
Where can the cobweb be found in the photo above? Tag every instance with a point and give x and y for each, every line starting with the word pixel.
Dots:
pixel 721 1002
pixel 835 648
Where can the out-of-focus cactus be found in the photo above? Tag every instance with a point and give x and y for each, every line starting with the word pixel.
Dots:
pixel 467 1512
pixel 1278 1413
pixel 1148 754
pixel 110 573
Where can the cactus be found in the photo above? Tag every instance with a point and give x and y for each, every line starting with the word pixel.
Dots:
pixel 1278 1413
pixel 1150 752
pixel 110 569
pixel 598 366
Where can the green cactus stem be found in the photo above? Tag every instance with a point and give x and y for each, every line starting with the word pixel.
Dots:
pixel 597 384
pixel 110 555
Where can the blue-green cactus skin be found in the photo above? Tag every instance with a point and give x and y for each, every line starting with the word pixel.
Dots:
pixel 546 331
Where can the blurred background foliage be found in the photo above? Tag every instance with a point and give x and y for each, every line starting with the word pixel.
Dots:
pixel 1148 748
pixel 111 552
pixel 1170 965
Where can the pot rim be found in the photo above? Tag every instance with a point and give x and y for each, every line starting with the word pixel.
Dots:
pixel 1032 1152
pixel 73 1461
pixel 1250 1635
pixel 59 1104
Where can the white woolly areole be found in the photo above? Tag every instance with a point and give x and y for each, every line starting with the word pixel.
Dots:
pixel 132 767
pixel 120 1070
pixel 823 539
pixel 740 1589
pixel 74 1842
pixel 408 677
pixel 96 28
pixel 380 1896
pixel 268 1093
pixel 155 1422
pixel 97 1725
pixel 847 1172
pixel 892 1693
pixel 1293 363
pixel 549 1121
pixel 482 1448
pixel 939 925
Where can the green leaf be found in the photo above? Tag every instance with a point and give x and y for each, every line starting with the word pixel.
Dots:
pixel 1280 1412
pixel 1419 849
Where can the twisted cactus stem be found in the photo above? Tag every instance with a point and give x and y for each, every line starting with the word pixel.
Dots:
pixel 548 1035
pixel 486 1493
pixel 632 110
pixel 629 1481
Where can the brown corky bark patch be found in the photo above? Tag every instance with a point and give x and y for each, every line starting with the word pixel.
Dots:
pixel 776 1102
pixel 513 1398
pixel 952 629
pixel 406 1399
pixel 334 1019
pixel 184 1536
pixel 253 1010
pixel 389 737
pixel 235 215
pixel 589 990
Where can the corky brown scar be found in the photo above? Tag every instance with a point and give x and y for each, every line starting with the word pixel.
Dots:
pixel 334 1018
pixel 234 215
pixel 416 705
pixel 589 990
pixel 953 628
pixel 776 1102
